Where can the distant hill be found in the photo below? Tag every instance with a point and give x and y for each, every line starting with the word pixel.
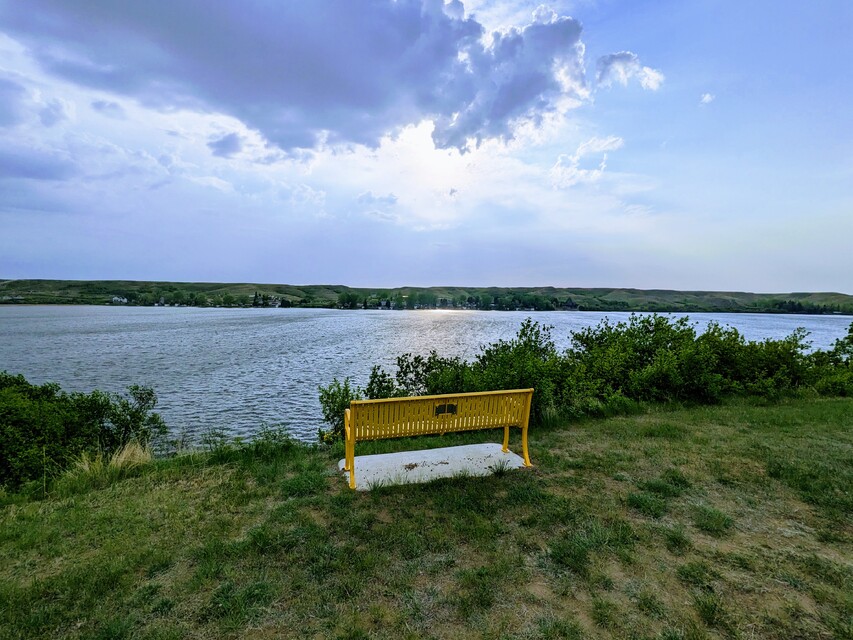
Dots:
pixel 104 292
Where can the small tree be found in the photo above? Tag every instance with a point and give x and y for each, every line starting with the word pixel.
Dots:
pixel 131 419
pixel 334 400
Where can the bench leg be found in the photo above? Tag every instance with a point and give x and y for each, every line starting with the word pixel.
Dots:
pixel 350 463
pixel 349 448
pixel 524 426
pixel 506 440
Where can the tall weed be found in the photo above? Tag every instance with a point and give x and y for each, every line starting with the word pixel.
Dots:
pixel 93 471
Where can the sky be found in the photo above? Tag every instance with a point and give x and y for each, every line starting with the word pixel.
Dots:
pixel 702 145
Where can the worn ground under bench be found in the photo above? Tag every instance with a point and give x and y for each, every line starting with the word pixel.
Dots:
pixel 408 467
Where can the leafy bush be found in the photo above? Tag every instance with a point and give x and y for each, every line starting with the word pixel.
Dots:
pixel 131 419
pixel 614 368
pixel 835 368
pixel 43 429
pixel 334 400
pixel 417 376
pixel 530 360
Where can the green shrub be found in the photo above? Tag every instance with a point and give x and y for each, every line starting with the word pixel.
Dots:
pixel 417 376
pixel 835 383
pixel 334 400
pixel 43 429
pixel 530 360
pixel 614 368
pixel 131 419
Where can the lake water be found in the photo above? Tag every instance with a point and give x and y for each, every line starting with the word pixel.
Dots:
pixel 235 369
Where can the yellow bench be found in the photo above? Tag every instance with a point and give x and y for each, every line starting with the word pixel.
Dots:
pixel 422 415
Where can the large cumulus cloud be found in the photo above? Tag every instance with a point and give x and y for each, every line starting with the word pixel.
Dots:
pixel 306 73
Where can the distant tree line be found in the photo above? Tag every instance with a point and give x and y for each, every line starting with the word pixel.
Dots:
pixel 492 298
pixel 795 306
pixel 175 297
pixel 430 300
pixel 509 300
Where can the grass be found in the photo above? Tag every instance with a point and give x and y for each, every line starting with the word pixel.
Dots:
pixel 711 520
pixel 97 471
pixel 721 522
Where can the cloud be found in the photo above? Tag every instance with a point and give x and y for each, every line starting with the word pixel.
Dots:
pixel 380 208
pixel 599 145
pixel 368 198
pixel 213 182
pixel 11 98
pixel 567 171
pixel 307 75
pixel 304 199
pixel 383 216
pixel 455 9
pixel 623 66
pixel 226 146
pixel 707 98
pixel 53 112
pixel 34 164
pixel 522 76
pixel 17 101
pixel 544 15
pixel 109 109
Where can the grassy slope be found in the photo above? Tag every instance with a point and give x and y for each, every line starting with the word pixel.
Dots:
pixel 101 291
pixel 731 521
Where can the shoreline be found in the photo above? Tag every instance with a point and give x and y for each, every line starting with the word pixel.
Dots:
pixel 337 296
pixel 771 312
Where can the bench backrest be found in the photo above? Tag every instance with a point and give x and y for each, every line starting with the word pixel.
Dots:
pixel 400 417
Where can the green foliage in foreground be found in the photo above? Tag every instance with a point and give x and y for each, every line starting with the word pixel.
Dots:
pixel 43 429
pixel 265 540
pixel 611 369
pixel 334 400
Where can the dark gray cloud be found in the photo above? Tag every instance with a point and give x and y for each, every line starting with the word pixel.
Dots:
pixel 226 146
pixel 11 98
pixel 34 164
pixel 109 109
pixel 302 73
pixel 518 78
